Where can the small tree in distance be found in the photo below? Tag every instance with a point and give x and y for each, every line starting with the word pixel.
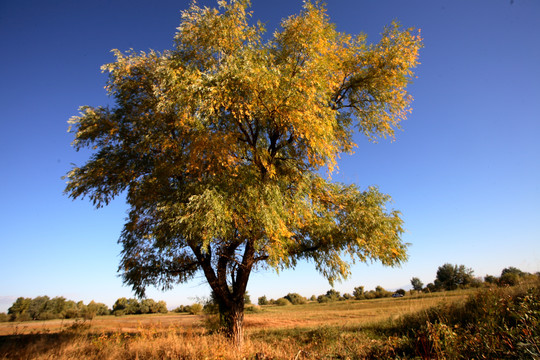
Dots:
pixel 417 284
pixel 450 277
pixel 510 276
pixel 219 144
pixel 262 300
pixel 358 292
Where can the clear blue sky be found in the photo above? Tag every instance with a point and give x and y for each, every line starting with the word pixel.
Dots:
pixel 465 170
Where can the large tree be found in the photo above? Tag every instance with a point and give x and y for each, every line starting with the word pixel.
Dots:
pixel 224 146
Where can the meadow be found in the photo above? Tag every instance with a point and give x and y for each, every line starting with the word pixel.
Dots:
pixel 449 324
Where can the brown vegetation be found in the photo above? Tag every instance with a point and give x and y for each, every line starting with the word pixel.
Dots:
pixel 274 332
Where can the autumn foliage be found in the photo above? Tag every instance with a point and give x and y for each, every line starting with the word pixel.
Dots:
pixel 221 143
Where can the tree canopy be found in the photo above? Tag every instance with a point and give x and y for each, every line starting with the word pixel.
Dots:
pixel 223 146
pixel 450 277
pixel 417 284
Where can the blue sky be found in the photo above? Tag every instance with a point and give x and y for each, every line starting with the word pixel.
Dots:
pixel 465 170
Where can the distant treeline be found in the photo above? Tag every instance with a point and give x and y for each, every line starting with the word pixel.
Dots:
pixel 449 277
pixel 452 277
pixel 45 308
pixel 125 306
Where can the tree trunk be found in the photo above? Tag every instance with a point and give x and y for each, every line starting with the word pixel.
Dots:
pixel 232 322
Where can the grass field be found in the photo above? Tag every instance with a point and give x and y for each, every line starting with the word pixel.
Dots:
pixel 344 313
pixel 341 330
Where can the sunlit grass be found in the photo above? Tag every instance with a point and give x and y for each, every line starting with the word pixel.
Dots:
pixel 345 329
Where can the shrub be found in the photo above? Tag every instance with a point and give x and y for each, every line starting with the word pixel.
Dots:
pixel 283 302
pixel 252 309
pixel 161 307
pixel 180 309
pixel 323 299
pixel 4 317
pixel 331 295
pixel 262 300
pixel 358 293
pixel 511 276
pixel 380 292
pixel 295 299
pixel 195 309
pixel 451 277
pixel 71 313
pixel 119 307
pixel 417 284
pixel 492 324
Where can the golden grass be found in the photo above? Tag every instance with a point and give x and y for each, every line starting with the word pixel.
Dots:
pixel 291 332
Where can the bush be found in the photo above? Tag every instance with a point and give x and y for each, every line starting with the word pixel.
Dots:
pixel 380 292
pixel 358 293
pixel 417 284
pixel 180 309
pixel 71 313
pixel 370 295
pixel 323 299
pixel 296 299
pixel 283 302
pixel 195 309
pixel 511 276
pixel 4 317
pixel 451 277
pixel 161 307
pixel 262 300
pixel 253 309
pixel 331 295
pixel 492 324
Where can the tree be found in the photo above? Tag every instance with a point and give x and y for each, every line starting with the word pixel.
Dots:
pixel 71 310
pixel 120 306
pixel 417 284
pixel 58 306
pixel 262 300
pixel 450 277
pixel 133 306
pixel 511 276
pixel 90 310
pixel 400 292
pixel 19 310
pixel 331 295
pixel 221 144
pixel 162 307
pixel 358 292
pixel 148 306
pixel 37 307
pixel 380 292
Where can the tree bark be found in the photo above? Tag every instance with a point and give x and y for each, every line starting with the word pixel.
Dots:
pixel 232 321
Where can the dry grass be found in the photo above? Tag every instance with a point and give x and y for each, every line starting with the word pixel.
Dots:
pixel 344 313
pixel 308 331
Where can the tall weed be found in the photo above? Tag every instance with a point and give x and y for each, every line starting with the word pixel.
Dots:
pixel 492 324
